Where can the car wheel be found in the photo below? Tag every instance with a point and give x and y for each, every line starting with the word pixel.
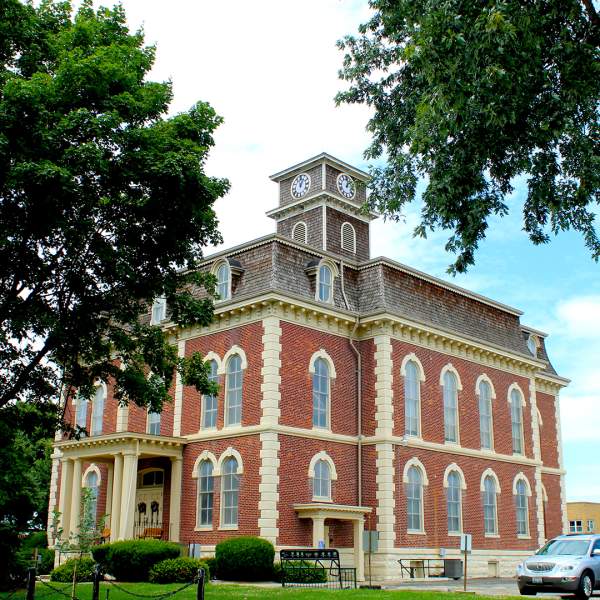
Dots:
pixel 527 591
pixel 586 586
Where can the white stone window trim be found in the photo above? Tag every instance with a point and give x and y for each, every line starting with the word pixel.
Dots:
pixel 490 473
pixel 544 493
pixel 161 304
pixel 484 378
pixel 324 457
pixel 229 453
pixel 93 468
pixel 295 227
pixel 322 354
pixel 414 358
pixel 334 273
pixel 232 351
pixel 454 468
pixel 522 477
pixel 349 227
pixel 539 417
pixel 514 387
pixel 205 455
pixel 215 270
pixel 414 462
pixel 98 384
pixel 450 368
pixel 208 357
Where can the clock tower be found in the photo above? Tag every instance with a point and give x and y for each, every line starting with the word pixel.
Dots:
pixel 320 205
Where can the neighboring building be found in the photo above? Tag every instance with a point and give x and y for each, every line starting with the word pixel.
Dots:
pixel 584 517
pixel 355 392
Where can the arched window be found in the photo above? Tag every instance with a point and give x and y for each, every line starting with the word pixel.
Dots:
pixel 206 489
pixel 91 483
pixel 485 415
pixel 322 481
pixel 321 394
pixel 209 403
pixel 412 409
pixel 159 310
pixel 522 508
pixel 98 410
pixel 454 502
pixel 153 423
pixel 233 396
pixel 325 284
pixel 223 281
pixel 81 412
pixel 414 499
pixel 516 417
pixel 348 238
pixel 299 232
pixel 230 492
pixel 450 408
pixel 490 522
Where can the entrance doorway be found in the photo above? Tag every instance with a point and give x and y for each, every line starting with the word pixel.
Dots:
pixel 148 509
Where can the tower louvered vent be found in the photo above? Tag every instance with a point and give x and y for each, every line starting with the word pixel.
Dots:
pixel 348 238
pixel 299 232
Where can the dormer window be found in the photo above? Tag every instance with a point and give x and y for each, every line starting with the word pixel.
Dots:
pixel 532 344
pixel 325 284
pixel 223 281
pixel 227 272
pixel 159 310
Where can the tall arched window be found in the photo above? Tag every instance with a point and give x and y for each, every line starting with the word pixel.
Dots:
pixel 233 409
pixel 325 284
pixel 91 483
pixel 81 412
pixel 153 423
pixel 490 522
pixel 454 502
pixel 412 409
pixel 230 493
pixel 98 410
pixel 450 408
pixel 516 417
pixel 159 310
pixel 348 235
pixel 414 499
pixel 321 394
pixel 206 490
pixel 223 281
pixel 322 480
pixel 209 403
pixel 522 508
pixel 485 415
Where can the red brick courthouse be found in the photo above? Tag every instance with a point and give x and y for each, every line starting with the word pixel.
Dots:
pixel 355 393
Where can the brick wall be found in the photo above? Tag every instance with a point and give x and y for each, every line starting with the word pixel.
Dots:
pixel 552 509
pixel 546 406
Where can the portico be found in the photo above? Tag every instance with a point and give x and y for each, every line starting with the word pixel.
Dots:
pixel 120 453
pixel 319 512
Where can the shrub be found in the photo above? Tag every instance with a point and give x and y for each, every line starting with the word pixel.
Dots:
pixel 245 558
pixel 211 563
pixel 85 570
pixel 132 560
pixel 299 571
pixel 47 563
pixel 178 570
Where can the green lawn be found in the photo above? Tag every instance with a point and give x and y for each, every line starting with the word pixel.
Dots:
pixel 239 592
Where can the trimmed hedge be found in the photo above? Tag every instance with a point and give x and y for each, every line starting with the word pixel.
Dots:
pixel 211 562
pixel 245 558
pixel 178 570
pixel 313 574
pixel 131 560
pixel 85 570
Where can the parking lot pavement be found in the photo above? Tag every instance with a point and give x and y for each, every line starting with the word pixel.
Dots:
pixel 490 587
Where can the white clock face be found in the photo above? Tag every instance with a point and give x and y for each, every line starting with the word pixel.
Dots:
pixel 346 186
pixel 300 185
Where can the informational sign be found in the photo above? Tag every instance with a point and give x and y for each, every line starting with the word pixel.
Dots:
pixel 370 541
pixel 312 554
pixel 466 542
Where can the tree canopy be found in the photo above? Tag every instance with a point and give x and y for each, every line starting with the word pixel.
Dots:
pixel 470 95
pixel 104 205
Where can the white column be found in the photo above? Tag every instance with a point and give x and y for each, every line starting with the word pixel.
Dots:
pixel 109 487
pixel 318 530
pixel 115 517
pixel 175 501
pixel 75 497
pixel 269 486
pixel 130 461
pixel 271 379
pixel 384 464
pixel 66 491
pixel 538 494
pixel 561 464
pixel 359 553
pixel 178 404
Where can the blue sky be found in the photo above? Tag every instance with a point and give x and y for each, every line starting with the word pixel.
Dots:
pixel 270 68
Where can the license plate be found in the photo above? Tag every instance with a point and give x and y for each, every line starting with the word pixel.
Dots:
pixel 537 580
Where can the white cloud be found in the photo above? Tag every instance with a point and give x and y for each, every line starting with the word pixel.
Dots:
pixel 581 317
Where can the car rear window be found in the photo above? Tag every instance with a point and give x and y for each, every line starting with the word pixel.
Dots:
pixel 565 547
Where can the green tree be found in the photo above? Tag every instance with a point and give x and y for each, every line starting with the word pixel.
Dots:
pixel 469 96
pixel 104 205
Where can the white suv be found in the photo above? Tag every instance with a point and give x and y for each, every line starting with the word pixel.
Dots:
pixel 566 564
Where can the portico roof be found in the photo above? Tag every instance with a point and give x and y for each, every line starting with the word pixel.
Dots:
pixel 331 511
pixel 142 444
